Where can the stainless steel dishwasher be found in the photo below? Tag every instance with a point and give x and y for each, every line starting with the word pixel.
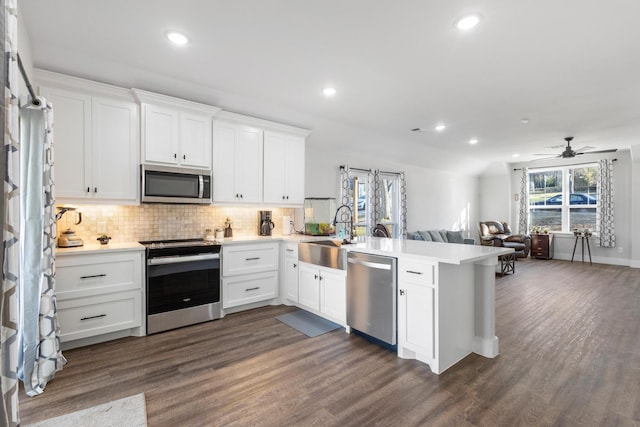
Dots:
pixel 371 295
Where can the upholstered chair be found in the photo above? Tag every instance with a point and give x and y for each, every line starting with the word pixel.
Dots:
pixel 498 233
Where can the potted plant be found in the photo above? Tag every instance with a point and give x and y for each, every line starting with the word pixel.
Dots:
pixel 104 239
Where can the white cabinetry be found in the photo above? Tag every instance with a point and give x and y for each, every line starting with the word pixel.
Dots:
pixel 95 140
pixel 237 163
pixel 249 273
pixel 283 168
pixel 416 309
pixel 290 272
pixel 435 312
pixel 175 132
pixel 99 294
pixel 323 291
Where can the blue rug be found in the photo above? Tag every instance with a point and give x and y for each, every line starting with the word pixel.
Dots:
pixel 307 323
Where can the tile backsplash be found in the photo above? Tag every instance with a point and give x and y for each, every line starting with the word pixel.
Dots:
pixel 163 222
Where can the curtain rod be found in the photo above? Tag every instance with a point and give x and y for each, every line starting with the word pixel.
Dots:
pixel 391 173
pixel 356 169
pixel 560 166
pixel 34 99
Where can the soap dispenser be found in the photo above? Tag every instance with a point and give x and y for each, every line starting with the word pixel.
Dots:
pixel 228 232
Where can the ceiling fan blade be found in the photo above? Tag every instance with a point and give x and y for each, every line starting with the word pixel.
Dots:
pixel 611 150
pixel 545 154
pixel 583 149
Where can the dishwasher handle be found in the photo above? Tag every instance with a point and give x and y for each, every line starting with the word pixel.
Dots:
pixel 376 265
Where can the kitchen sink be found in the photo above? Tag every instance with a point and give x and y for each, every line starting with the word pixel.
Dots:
pixel 324 253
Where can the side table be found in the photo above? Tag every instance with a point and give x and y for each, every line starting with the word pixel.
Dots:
pixel 507 263
pixel 542 246
pixel 583 236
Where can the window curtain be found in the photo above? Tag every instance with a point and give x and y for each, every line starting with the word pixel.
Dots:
pixel 378 194
pixel 10 220
pixel 375 198
pixel 403 207
pixel 523 220
pixel 40 354
pixel 605 220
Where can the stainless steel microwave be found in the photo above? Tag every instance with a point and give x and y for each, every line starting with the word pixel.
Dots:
pixel 175 185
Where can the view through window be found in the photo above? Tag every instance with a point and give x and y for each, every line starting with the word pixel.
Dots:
pixel 563 199
pixel 387 197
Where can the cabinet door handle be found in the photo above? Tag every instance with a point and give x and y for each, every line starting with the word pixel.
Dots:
pixel 252 289
pixel 287 197
pixel 414 272
pixel 401 291
pixel 175 155
pixel 295 265
pixel 184 157
pixel 93 276
pixel 283 197
pixel 95 189
pixel 93 317
pixel 252 259
pixel 315 276
pixel 289 250
pixel 88 190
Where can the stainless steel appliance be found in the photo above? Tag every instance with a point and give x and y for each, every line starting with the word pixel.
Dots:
pixel 183 283
pixel 265 224
pixel 175 185
pixel 371 295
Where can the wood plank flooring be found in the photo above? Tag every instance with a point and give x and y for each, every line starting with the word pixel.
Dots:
pixel 569 355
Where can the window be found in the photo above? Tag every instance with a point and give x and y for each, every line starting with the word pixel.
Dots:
pixel 563 199
pixel 386 201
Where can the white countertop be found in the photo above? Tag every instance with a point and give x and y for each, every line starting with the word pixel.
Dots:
pixel 98 248
pixel 449 253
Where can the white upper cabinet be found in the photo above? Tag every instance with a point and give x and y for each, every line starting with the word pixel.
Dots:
pixel 283 168
pixel 95 140
pixel 175 132
pixel 237 163
pixel 257 161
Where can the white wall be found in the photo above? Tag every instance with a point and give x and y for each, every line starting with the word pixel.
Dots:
pixel 435 199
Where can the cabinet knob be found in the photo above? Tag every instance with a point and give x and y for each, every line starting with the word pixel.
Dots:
pixel 287 197
pixel 282 197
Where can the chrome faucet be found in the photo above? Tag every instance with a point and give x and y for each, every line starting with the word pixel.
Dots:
pixel 350 222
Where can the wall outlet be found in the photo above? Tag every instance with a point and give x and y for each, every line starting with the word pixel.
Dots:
pixel 620 250
pixel 102 227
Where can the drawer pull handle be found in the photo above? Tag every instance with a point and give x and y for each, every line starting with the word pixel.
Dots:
pixel 252 259
pixel 289 250
pixel 186 299
pixel 93 276
pixel 414 272
pixel 93 317
pixel 252 289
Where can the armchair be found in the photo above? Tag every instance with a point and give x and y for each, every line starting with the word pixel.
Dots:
pixel 498 233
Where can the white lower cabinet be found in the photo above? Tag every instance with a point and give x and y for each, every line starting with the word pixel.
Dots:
pixel 98 294
pixel 323 291
pixel 290 273
pixel 249 273
pixel 416 310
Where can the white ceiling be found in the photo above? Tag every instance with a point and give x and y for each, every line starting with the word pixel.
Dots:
pixel 571 67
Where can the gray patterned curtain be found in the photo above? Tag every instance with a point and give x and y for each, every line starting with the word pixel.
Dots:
pixel 375 200
pixel 523 220
pixel 403 207
pixel 10 221
pixel 40 356
pixel 605 221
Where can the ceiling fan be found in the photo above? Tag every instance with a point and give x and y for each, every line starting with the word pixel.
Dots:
pixel 570 153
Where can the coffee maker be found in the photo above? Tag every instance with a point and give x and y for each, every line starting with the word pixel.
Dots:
pixel 265 225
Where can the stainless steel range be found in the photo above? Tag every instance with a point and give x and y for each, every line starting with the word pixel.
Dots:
pixel 183 283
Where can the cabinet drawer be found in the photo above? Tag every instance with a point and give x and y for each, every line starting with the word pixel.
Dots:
pixel 418 272
pixel 86 317
pixel 290 250
pixel 87 275
pixel 246 259
pixel 249 288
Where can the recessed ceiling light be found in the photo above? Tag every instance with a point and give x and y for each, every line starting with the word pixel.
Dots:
pixel 177 38
pixel 524 121
pixel 473 141
pixel 440 127
pixel 467 22
pixel 329 91
pixel 515 155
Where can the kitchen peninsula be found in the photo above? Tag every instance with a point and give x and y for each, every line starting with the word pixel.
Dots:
pixel 446 299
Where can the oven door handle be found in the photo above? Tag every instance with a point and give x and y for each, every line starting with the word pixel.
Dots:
pixel 181 258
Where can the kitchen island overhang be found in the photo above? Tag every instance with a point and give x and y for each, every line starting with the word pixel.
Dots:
pixel 459 299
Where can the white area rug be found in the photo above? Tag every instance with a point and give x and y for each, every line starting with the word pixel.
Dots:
pixel 130 411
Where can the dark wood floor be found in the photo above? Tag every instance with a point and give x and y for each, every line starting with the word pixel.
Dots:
pixel 569 355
